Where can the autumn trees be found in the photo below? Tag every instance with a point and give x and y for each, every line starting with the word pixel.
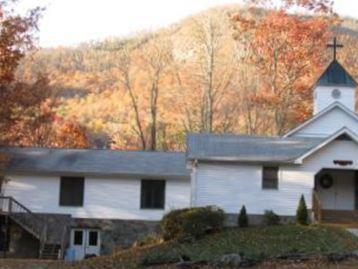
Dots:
pixel 201 75
pixel 286 50
pixel 27 115
pixel 16 37
pixel 206 81
pixel 142 75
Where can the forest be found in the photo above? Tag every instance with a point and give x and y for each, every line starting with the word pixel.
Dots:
pixel 231 69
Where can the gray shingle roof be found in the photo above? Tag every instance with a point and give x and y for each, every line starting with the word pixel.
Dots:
pixel 248 148
pixel 96 162
pixel 336 75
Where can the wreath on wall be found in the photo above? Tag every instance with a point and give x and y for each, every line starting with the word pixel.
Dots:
pixel 326 181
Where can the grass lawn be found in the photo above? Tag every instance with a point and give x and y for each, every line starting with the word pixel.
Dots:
pixel 254 243
pixel 258 243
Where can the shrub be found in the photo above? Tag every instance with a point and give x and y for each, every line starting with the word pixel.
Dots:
pixel 270 218
pixel 191 222
pixel 302 212
pixel 149 239
pixel 243 220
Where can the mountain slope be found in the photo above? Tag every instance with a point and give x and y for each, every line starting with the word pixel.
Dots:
pixel 86 79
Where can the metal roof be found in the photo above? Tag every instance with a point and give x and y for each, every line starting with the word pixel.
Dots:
pixel 240 148
pixel 96 162
pixel 336 75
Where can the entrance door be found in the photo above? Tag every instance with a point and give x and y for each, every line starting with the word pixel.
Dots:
pixel 337 193
pixel 92 242
pixel 85 242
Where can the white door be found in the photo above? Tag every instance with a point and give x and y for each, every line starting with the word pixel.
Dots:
pixel 85 242
pixel 78 243
pixel 92 242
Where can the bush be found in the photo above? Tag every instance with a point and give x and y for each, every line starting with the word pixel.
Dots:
pixel 149 239
pixel 243 220
pixel 191 222
pixel 302 212
pixel 270 218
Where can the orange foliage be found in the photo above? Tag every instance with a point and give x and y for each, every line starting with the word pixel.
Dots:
pixel 71 135
pixel 16 37
pixel 286 50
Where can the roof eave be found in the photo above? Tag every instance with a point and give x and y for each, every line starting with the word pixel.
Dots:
pixel 93 174
pixel 320 114
pixel 236 160
pixel 353 136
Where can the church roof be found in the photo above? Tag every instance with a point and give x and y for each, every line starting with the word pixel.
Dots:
pixel 336 75
pixel 239 148
pixel 334 105
pixel 342 134
pixel 95 162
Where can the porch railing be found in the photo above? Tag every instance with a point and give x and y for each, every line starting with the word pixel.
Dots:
pixel 23 216
pixel 34 224
pixel 316 207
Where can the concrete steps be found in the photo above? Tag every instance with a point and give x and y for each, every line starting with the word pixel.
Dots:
pixel 50 252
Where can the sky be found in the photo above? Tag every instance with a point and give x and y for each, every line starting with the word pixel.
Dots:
pixel 70 22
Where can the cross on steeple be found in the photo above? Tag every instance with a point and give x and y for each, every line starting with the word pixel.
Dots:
pixel 335 46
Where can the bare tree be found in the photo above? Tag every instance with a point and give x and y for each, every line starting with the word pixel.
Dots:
pixel 157 60
pixel 214 68
pixel 126 66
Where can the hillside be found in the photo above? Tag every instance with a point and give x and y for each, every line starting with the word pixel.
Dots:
pixel 88 81
pixel 318 247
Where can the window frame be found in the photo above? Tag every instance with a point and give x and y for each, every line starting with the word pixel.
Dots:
pixel 74 237
pixel 89 243
pixel 142 205
pixel 66 204
pixel 263 178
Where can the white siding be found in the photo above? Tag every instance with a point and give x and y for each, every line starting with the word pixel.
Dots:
pixel 231 186
pixel 323 97
pixel 329 124
pixel 107 198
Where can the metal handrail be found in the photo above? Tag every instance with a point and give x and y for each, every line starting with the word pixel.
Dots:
pixel 24 216
pixel 32 222
pixel 20 208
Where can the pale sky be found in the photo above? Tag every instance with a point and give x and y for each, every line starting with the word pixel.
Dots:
pixel 69 22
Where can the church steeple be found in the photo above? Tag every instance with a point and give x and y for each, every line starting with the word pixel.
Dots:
pixel 335 84
pixel 336 75
pixel 335 46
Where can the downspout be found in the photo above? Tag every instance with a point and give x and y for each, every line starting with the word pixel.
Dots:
pixel 193 183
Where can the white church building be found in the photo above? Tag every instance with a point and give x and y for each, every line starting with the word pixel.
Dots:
pixel 91 201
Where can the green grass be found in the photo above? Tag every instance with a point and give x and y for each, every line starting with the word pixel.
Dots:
pixel 255 243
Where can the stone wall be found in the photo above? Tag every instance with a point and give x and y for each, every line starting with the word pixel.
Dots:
pixel 117 234
pixel 22 244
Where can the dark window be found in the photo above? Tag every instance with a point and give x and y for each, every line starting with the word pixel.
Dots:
pixel 93 238
pixel 78 238
pixel 152 194
pixel 71 191
pixel 270 178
